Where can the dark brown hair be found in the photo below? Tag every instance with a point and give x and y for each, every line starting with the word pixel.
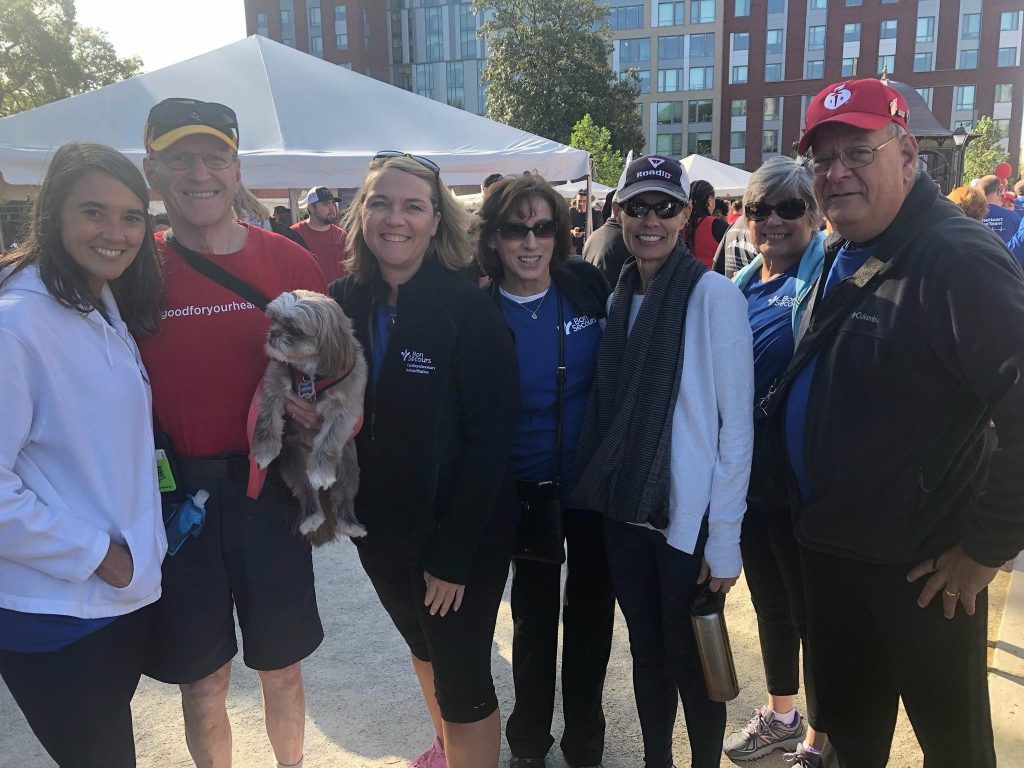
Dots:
pixel 513 197
pixel 138 290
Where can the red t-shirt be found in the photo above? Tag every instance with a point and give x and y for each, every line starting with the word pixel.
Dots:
pixel 207 359
pixel 328 247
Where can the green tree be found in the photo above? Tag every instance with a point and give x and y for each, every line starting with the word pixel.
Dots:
pixel 983 153
pixel 45 55
pixel 596 140
pixel 548 67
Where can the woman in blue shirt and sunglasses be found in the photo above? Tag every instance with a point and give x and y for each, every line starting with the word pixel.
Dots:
pixel 555 309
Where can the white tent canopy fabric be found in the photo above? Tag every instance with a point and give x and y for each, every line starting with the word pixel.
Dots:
pixel 302 121
pixel 727 180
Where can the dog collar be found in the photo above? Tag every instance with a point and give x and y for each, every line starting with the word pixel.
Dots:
pixel 308 387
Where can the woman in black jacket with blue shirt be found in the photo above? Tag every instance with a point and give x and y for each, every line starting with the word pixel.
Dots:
pixel 440 408
pixel 555 308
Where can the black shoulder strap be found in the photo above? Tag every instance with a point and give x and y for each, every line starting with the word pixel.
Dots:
pixel 559 384
pixel 219 275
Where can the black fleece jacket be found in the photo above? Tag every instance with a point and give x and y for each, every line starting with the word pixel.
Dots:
pixel 897 442
pixel 434 450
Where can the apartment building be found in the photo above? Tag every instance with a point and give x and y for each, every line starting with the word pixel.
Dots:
pixel 725 78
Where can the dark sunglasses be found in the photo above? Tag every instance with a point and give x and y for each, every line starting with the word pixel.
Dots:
pixel 667 209
pixel 178 112
pixel 542 230
pixel 430 165
pixel 787 209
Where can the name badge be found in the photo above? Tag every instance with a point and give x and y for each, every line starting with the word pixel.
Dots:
pixel 164 476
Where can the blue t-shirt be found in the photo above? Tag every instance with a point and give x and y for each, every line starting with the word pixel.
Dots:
pixel 1018 205
pixel 770 310
pixel 533 454
pixel 1001 221
pixel 384 318
pixel 847 262
pixel 43 632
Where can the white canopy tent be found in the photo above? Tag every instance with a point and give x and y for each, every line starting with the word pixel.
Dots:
pixel 727 180
pixel 302 120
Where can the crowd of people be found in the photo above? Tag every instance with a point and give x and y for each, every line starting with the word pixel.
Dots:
pixel 837 410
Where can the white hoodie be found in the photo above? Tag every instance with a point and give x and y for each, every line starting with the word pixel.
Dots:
pixel 76 457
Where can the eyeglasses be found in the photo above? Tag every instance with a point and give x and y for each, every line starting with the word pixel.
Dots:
pixel 856 156
pixel 542 230
pixel 787 209
pixel 183 161
pixel 666 209
pixel 430 165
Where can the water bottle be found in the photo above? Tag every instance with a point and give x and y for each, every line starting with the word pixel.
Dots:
pixel 708 618
pixel 186 520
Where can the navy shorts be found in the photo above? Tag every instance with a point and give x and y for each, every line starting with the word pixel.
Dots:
pixel 247 560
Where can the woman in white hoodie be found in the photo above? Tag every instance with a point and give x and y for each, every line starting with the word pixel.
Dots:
pixel 81 535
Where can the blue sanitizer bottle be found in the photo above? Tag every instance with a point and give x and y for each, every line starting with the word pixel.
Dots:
pixel 187 520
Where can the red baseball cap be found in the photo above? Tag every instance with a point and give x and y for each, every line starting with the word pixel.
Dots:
pixel 868 104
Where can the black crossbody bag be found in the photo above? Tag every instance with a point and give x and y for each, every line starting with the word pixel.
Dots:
pixel 539 536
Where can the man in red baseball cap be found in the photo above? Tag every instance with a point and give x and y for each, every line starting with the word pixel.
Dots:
pixel 902 510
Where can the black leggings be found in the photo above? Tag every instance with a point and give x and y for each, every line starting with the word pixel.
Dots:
pixel 77 699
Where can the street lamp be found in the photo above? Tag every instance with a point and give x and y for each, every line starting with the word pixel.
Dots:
pixel 961 138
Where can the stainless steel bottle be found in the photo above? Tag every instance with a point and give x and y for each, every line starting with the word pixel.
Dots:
pixel 707 613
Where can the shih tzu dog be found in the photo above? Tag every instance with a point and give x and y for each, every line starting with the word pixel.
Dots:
pixel 314 354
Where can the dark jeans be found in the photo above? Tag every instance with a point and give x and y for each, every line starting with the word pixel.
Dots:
pixel 871 644
pixel 588 614
pixel 655 585
pixel 77 699
pixel 771 561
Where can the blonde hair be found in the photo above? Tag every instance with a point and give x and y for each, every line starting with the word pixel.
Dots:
pixel 972 200
pixel 248 207
pixel 451 244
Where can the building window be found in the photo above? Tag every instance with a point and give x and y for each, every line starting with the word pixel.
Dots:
pixel 1006 57
pixel 740 41
pixel 923 62
pixel 366 35
pixel 434 23
pixel 467 31
pixel 886 64
pixel 1004 93
pixel 670 80
pixel 926 94
pixel 671 47
pixel 456 80
pixel 773 41
pixel 772 73
pixel 776 6
pixel 851 33
pixel 626 17
pixel 314 17
pixel 770 142
pixel 1009 21
pixel 817 5
pixel 926 29
pixel 742 8
pixel 964 98
pixel 702 78
pixel 850 3
pixel 887 30
pixel 849 68
pixel 341 27
pixel 1004 128
pixel 771 108
pixel 670 144
pixel 738 108
pixel 286 20
pixel 971 28
pixel 634 49
pixel 702 11
pixel 425 80
pixel 814 69
pixel 700 110
pixel 261 24
pixel 816 38
pixel 698 144
pixel 316 45
pixel 670 14
pixel 670 112
pixel 737 140
pixel 645 80
pixel 702 45
pixel 968 59
pixel 738 74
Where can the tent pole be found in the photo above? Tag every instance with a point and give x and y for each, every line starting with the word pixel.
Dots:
pixel 293 203
pixel 590 200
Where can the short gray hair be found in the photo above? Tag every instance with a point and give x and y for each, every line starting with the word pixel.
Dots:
pixel 782 178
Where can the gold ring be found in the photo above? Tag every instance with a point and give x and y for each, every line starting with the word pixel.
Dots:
pixel 954 595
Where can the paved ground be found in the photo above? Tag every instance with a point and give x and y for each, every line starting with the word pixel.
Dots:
pixel 365 709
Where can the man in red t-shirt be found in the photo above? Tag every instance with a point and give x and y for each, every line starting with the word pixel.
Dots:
pixel 324 238
pixel 205 364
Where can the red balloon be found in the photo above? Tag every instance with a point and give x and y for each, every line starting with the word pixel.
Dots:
pixel 1003 171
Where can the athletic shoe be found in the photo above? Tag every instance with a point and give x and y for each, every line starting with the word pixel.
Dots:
pixel 432 758
pixel 803 758
pixel 764 734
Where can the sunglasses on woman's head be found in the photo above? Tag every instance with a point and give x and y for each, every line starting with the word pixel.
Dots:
pixel 430 165
pixel 666 209
pixel 787 209
pixel 542 230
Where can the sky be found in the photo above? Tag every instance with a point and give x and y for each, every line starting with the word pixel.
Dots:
pixel 164 33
